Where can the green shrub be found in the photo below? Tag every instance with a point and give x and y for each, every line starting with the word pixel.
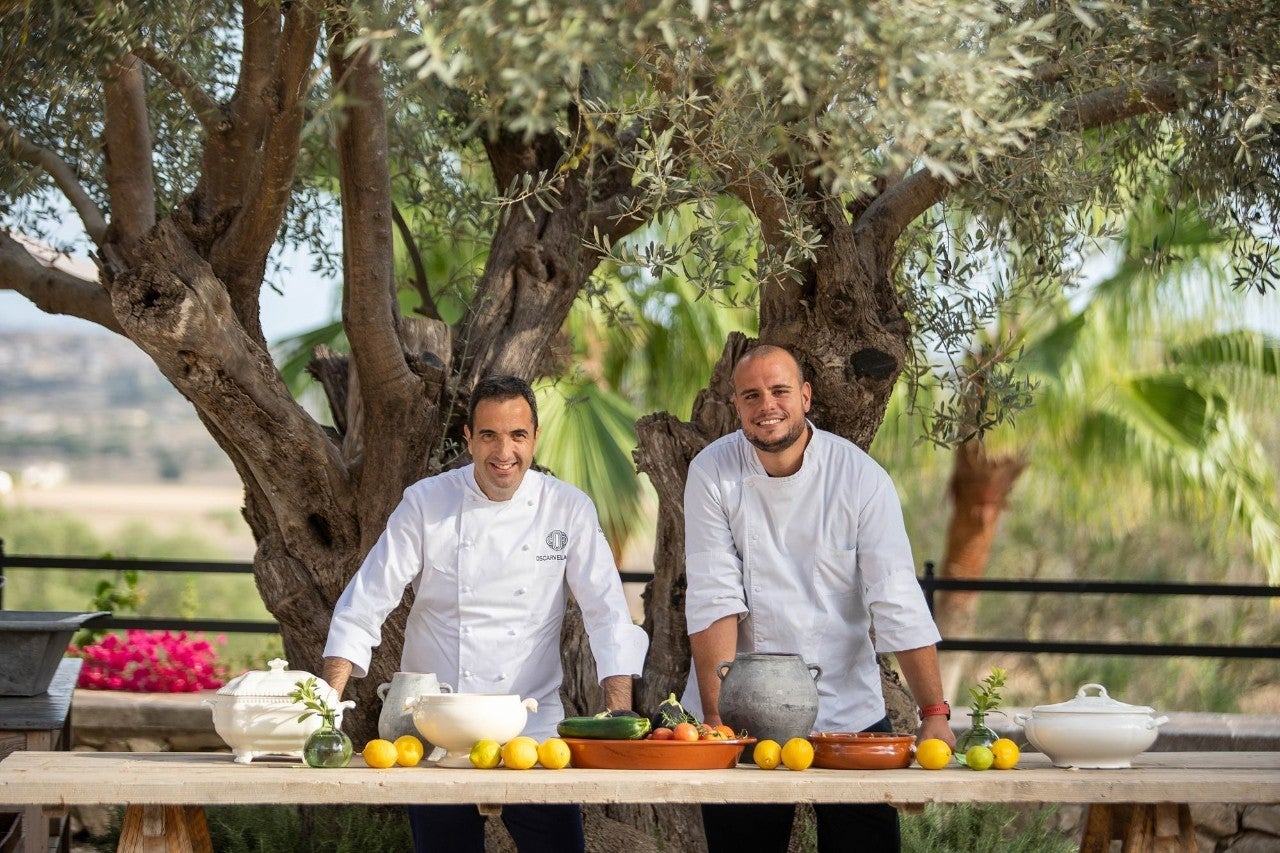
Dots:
pixel 985 828
pixel 297 829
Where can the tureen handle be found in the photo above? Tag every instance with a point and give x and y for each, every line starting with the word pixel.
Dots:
pixel 531 704
pixel 1102 691
pixel 1021 719
pixel 1158 721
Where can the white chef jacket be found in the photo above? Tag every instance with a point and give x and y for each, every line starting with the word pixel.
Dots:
pixel 490 579
pixel 809 563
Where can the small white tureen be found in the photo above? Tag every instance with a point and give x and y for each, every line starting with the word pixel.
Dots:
pixel 255 716
pixel 1091 730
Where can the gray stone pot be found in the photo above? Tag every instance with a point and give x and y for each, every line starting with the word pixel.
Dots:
pixel 772 696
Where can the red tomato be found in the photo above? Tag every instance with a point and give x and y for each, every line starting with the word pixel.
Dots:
pixel 685 731
pixel 662 733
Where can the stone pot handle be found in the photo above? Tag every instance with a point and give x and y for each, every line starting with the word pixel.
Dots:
pixel 723 669
pixel 446 688
pixel 815 669
pixel 382 690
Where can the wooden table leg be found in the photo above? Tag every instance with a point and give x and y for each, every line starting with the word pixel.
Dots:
pixel 164 829
pixel 1143 828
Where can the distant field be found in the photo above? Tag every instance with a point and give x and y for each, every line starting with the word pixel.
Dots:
pixel 206 512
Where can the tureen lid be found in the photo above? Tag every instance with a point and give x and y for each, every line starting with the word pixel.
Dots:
pixel 275 682
pixel 1096 704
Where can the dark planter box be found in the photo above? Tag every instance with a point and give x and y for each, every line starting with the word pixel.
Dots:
pixel 32 642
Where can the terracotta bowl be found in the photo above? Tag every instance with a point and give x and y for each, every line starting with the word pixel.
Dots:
pixel 594 754
pixel 862 750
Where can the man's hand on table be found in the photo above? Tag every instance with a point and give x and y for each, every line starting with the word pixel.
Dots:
pixel 937 727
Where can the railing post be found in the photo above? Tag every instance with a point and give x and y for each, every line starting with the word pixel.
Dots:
pixel 928 584
pixel 1 574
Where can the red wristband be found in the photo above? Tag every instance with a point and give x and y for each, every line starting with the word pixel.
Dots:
pixel 941 709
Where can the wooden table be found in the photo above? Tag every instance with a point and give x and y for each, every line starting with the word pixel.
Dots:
pixel 40 723
pixel 164 792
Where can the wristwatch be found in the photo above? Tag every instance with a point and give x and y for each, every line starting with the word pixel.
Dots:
pixel 941 709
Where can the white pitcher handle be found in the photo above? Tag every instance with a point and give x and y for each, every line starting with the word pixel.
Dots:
pixel 445 688
pixel 347 703
pixel 382 691
pixel 531 704
pixel 1158 721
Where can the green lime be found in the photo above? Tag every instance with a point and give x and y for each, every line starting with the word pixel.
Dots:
pixel 979 757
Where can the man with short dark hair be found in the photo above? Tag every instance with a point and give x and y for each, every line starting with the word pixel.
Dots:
pixel 794 543
pixel 492 550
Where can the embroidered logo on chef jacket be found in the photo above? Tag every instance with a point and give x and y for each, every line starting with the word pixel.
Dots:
pixel 556 540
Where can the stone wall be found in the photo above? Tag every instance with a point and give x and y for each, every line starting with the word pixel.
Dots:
pixel 105 721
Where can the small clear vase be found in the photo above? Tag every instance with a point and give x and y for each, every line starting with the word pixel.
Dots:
pixel 327 747
pixel 977 735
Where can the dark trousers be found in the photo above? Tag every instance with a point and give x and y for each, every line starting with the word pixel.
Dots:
pixel 460 829
pixel 766 827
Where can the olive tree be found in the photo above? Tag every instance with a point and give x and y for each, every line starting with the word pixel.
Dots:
pixel 553 136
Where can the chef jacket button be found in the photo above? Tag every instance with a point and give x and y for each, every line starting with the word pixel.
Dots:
pixel 465 589
pixel 511 632
pixel 466 630
pixel 521 591
pixel 502 676
pixel 466 673
pixel 530 503
pixel 755 588
pixel 524 548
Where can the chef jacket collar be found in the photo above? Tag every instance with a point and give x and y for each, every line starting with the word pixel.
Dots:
pixel 525 489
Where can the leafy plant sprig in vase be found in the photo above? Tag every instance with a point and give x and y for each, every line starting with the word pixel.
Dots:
pixel 327 746
pixel 984 699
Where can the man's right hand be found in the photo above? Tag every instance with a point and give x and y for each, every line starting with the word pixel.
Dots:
pixel 336 672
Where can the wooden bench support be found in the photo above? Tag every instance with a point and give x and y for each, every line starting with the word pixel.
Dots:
pixel 164 829
pixel 1141 827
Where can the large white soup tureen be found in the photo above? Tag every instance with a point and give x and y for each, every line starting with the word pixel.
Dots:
pixel 255 716
pixel 1091 730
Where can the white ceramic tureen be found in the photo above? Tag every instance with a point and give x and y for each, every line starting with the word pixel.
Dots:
pixel 455 721
pixel 1091 730
pixel 255 716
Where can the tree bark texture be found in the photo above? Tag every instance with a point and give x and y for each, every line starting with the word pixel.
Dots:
pixel 979 489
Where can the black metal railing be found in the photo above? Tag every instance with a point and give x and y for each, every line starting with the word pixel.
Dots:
pixel 933 584
pixel 930 583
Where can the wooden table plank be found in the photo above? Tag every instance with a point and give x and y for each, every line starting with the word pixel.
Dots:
pixel 87 778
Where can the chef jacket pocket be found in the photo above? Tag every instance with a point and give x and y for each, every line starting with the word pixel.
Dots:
pixel 835 571
pixel 439 580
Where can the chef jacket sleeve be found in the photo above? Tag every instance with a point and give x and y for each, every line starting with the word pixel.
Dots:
pixel 377 588
pixel 899 612
pixel 617 643
pixel 713 566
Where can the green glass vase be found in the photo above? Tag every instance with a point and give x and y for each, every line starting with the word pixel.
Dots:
pixel 327 747
pixel 977 735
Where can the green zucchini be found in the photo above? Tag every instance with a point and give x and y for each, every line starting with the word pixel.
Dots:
pixel 604 727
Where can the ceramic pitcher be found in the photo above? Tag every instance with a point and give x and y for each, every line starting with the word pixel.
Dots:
pixel 770 695
pixel 397 696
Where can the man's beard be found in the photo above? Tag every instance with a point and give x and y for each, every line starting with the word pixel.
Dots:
pixel 778 445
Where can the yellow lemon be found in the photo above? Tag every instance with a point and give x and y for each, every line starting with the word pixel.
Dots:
pixel 933 754
pixel 408 751
pixel 553 753
pixel 979 757
pixel 486 754
pixel 797 753
pixel 767 754
pixel 379 753
pixel 1006 754
pixel 520 753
